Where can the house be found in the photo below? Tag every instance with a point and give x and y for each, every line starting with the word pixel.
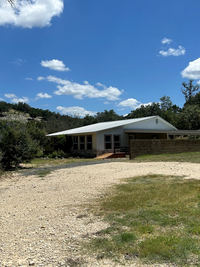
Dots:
pixel 105 137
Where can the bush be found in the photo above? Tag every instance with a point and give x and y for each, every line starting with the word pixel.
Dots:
pixel 58 154
pixel 16 145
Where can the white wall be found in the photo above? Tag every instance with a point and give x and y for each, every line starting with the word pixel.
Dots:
pixel 114 131
pixel 149 124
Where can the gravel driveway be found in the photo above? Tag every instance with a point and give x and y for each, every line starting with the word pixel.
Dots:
pixel 43 221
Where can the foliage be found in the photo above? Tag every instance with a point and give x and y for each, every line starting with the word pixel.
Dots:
pixel 145 111
pixel 16 144
pixel 189 91
pixel 110 115
pixel 189 118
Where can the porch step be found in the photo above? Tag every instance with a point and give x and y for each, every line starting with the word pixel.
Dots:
pixel 104 156
pixel 111 156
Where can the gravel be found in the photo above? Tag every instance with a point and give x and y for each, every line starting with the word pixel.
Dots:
pixel 43 220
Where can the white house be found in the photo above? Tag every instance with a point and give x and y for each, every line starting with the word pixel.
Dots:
pixel 98 138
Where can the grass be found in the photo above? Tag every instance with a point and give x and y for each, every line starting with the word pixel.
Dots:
pixel 38 161
pixel 43 173
pixel 154 218
pixel 193 157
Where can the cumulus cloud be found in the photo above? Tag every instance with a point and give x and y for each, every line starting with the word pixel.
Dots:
pixel 192 71
pixel 40 78
pixel 130 102
pixel 15 99
pixel 54 64
pixel 43 95
pixel 1 99
pixel 29 14
pixel 79 91
pixel 173 52
pixel 75 111
pixel 166 41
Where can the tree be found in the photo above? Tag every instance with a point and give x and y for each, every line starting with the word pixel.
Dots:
pixel 3 107
pixel 88 120
pixel 16 145
pixel 145 111
pixel 110 115
pixel 189 118
pixel 166 103
pixel 189 91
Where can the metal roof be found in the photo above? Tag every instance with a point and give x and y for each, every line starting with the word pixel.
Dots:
pixel 101 126
pixel 170 132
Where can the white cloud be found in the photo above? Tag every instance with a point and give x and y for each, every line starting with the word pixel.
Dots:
pixel 42 95
pixel 10 95
pixel 130 102
pixel 1 99
pixel 79 91
pixel 29 79
pixel 17 61
pixel 173 52
pixel 192 71
pixel 15 99
pixel 29 14
pixel 40 78
pixel 146 104
pixel 166 41
pixel 54 64
pixel 75 111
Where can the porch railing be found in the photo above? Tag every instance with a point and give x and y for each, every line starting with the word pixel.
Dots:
pixel 121 149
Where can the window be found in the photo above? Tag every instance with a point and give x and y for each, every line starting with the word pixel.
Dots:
pixel 82 142
pixel 117 140
pixel 156 121
pixel 108 141
pixel 75 142
pixel 89 142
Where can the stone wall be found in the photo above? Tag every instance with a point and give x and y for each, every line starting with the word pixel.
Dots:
pixel 156 147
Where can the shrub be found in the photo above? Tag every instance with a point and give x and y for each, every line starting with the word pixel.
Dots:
pixel 16 145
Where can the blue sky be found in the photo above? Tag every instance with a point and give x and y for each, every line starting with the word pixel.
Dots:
pixel 80 57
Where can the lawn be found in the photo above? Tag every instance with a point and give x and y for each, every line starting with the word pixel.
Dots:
pixel 154 219
pixel 193 157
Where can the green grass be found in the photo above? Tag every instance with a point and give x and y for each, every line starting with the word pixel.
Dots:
pixel 42 162
pixel 154 217
pixel 43 173
pixel 193 157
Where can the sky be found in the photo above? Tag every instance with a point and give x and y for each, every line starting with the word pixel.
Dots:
pixel 79 57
